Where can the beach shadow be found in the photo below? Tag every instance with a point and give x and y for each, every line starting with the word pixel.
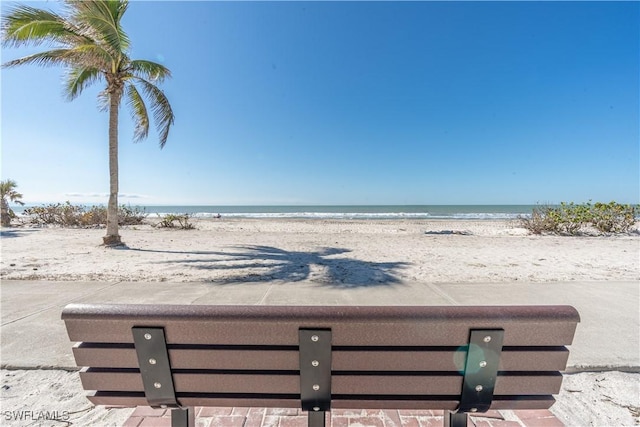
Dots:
pixel 9 234
pixel 259 264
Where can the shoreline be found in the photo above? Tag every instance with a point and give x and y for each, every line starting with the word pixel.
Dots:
pixel 347 252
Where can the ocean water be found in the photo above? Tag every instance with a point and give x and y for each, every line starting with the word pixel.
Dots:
pixel 390 212
pixel 351 212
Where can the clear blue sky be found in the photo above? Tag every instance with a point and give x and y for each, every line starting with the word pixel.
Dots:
pixel 351 103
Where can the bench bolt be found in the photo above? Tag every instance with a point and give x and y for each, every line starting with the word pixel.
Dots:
pixel 315 363
pixel 487 338
pixel 152 361
pixel 314 338
pixel 315 408
pixel 157 385
pixel 479 388
pixel 483 364
pixel 147 336
pixel 316 387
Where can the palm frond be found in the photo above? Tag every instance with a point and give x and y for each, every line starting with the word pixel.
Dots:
pixel 48 58
pixel 93 55
pixel 8 191
pixel 138 113
pixel 87 55
pixel 78 78
pixel 24 25
pixel 149 70
pixel 162 112
pixel 103 100
pixel 102 20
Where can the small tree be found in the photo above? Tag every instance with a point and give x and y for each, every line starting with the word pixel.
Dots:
pixel 9 194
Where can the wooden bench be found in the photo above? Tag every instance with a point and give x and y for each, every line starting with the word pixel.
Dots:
pixel 457 358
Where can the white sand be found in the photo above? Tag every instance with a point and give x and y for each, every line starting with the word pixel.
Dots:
pixel 349 252
pixel 606 399
pixel 40 397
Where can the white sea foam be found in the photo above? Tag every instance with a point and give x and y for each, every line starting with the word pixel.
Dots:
pixel 349 215
pixel 451 212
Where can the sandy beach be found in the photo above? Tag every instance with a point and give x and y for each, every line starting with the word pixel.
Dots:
pixel 336 254
pixel 345 253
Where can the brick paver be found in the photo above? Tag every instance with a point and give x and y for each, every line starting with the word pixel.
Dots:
pixel 287 417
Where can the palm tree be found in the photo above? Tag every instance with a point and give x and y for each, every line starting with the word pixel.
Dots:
pixel 8 194
pixel 89 41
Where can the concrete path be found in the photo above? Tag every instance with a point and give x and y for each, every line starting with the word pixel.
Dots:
pixel 608 336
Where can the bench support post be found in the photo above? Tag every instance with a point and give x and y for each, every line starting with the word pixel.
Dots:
pixel 183 417
pixel 316 419
pixel 315 374
pixel 455 419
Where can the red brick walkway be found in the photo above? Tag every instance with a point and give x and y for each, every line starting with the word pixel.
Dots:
pixel 269 417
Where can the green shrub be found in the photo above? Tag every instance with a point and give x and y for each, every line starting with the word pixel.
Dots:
pixel 169 221
pixel 572 219
pixel 541 220
pixel 63 214
pixel 68 215
pixel 613 217
pixel 131 216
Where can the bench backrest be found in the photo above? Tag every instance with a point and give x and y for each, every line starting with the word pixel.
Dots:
pixel 392 357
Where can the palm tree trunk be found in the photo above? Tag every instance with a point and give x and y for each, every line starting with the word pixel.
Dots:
pixel 4 213
pixel 113 238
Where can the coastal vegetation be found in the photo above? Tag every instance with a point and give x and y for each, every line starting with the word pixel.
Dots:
pixel 573 219
pixel 68 215
pixel 89 41
pixel 78 216
pixel 9 194
pixel 176 221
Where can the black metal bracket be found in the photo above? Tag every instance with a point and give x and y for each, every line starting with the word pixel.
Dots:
pixel 315 373
pixel 481 370
pixel 153 360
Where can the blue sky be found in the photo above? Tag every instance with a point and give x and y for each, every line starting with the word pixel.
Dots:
pixel 351 103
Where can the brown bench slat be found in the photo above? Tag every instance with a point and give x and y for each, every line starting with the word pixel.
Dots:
pixel 205 382
pixel 534 359
pixel 352 325
pixel 499 402
pixel 445 385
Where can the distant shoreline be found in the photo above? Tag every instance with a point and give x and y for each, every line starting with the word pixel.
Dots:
pixel 361 212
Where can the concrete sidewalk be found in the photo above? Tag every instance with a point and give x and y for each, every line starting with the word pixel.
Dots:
pixel 607 337
pixel 33 336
